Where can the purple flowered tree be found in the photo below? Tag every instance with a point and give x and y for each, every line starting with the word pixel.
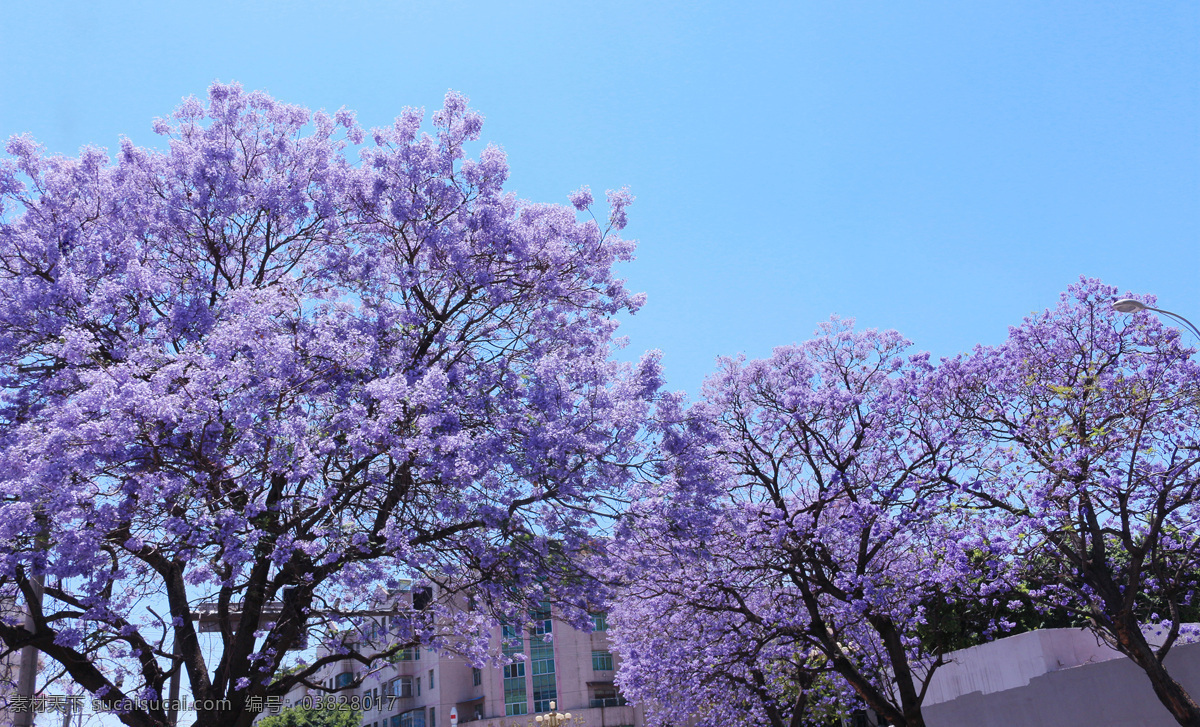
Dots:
pixel 797 530
pixel 248 368
pixel 1087 425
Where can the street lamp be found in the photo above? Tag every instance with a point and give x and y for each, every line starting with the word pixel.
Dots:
pixel 1129 305
pixel 552 718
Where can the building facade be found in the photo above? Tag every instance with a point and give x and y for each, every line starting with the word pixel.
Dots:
pixel 570 668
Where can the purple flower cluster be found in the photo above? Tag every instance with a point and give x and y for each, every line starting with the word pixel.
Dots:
pixel 247 371
pixel 814 508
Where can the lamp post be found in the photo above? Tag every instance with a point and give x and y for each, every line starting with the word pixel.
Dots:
pixel 552 718
pixel 1129 305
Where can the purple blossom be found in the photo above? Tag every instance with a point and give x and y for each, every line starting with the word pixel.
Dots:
pixel 247 366
pixel 581 198
pixel 796 531
pixel 1084 428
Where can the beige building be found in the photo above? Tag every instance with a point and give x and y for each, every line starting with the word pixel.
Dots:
pixel 573 670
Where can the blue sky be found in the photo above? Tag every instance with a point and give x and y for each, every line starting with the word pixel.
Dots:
pixel 938 168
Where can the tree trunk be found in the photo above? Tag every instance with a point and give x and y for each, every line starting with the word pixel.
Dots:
pixel 1171 693
pixel 910 700
pixel 1173 696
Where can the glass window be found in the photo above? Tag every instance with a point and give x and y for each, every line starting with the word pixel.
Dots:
pixel 402 687
pixel 541 653
pixel 411 718
pixel 476 676
pixel 544 692
pixel 602 661
pixel 513 643
pixel 515 699
pixel 600 622
pixel 606 697
pixel 431 678
pixel 542 622
pixel 344 679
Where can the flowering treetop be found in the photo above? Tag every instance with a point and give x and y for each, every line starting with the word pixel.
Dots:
pixel 247 364
pixel 799 528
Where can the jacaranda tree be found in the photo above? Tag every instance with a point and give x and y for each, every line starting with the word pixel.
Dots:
pixel 798 528
pixel 250 367
pixel 1088 436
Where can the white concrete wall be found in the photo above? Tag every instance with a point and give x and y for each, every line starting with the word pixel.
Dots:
pixel 1011 662
pixel 1053 678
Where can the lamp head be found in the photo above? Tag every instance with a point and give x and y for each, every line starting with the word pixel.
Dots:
pixel 1129 305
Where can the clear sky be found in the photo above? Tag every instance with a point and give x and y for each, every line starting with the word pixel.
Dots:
pixel 938 168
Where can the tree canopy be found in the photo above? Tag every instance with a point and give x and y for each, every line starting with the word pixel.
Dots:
pixel 841 509
pixel 799 530
pixel 1087 430
pixel 248 366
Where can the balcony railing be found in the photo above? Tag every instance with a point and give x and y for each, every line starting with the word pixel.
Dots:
pixel 608 702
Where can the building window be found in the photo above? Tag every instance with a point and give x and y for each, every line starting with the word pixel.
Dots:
pixel 433 717
pixel 541 654
pixel 431 678
pixel 476 676
pixel 417 680
pixel 602 661
pixel 401 687
pixel 606 696
pixel 344 679
pixel 512 643
pixel 411 718
pixel 599 622
pixel 421 598
pixel 515 700
pixel 542 622
pixel 373 631
pixel 411 652
pixel 544 692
